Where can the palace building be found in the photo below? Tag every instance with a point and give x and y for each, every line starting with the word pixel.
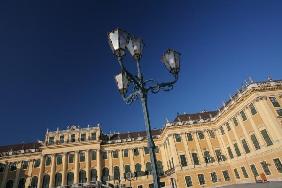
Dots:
pixel 239 143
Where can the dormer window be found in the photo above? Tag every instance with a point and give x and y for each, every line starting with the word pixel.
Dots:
pixel 51 140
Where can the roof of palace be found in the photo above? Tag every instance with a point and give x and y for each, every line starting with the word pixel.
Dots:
pixel 20 148
pixel 129 135
pixel 196 116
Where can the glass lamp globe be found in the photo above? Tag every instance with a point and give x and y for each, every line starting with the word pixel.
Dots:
pixel 122 82
pixel 171 60
pixel 118 40
pixel 135 47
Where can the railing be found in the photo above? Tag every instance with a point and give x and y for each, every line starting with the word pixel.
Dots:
pixel 96 184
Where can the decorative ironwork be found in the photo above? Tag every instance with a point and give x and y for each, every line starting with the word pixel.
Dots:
pixel 139 88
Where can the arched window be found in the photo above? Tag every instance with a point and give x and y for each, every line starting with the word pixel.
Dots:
pixel 34 182
pixel 82 176
pixel 70 177
pixel 105 174
pixel 116 173
pixel 148 167
pixel 138 169
pixel 45 182
pixel 160 168
pixel 9 184
pixel 58 179
pixel 93 175
pixel 48 160
pixel 21 183
pixel 59 159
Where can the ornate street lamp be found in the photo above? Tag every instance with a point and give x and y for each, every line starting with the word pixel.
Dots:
pixel 119 41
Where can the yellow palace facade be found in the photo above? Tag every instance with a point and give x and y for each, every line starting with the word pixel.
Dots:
pixel 237 144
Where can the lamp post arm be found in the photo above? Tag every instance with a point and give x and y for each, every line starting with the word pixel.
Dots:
pixel 165 86
pixel 131 97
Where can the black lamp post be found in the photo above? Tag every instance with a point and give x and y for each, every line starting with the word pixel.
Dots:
pixel 119 41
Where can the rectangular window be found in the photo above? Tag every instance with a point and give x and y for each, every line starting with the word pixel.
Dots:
pixel 183 160
pixel 2 167
pixel 266 137
pixel 201 178
pixel 195 158
pixel 125 153
pixel 200 135
pixel 236 173
pixel 62 139
pixel 243 116
pixel 115 154
pixel 279 112
pixel 12 166
pixel 274 102
pixel 235 121
pixel 255 141
pixel 93 155
pixel 135 151
pixel 81 157
pixel 71 158
pixel 177 137
pixel 266 170
pixel 146 150
pixel 59 159
pixel 226 175
pixel 245 174
pixel 237 150
pixel 213 177
pixel 83 137
pixel 36 163
pixel 219 156
pixel 254 170
pixel 230 152
pixel 156 149
pixel 24 164
pixel 126 168
pixel 188 181
pixel 73 138
pixel 190 137
pixel 278 164
pixel 51 140
pixel 221 130
pixel 253 109
pixel 245 146
pixel 104 155
pixel 228 127
pixel 211 133
pixel 93 136
pixel 207 157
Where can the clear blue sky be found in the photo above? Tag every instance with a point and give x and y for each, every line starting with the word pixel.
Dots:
pixel 57 69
